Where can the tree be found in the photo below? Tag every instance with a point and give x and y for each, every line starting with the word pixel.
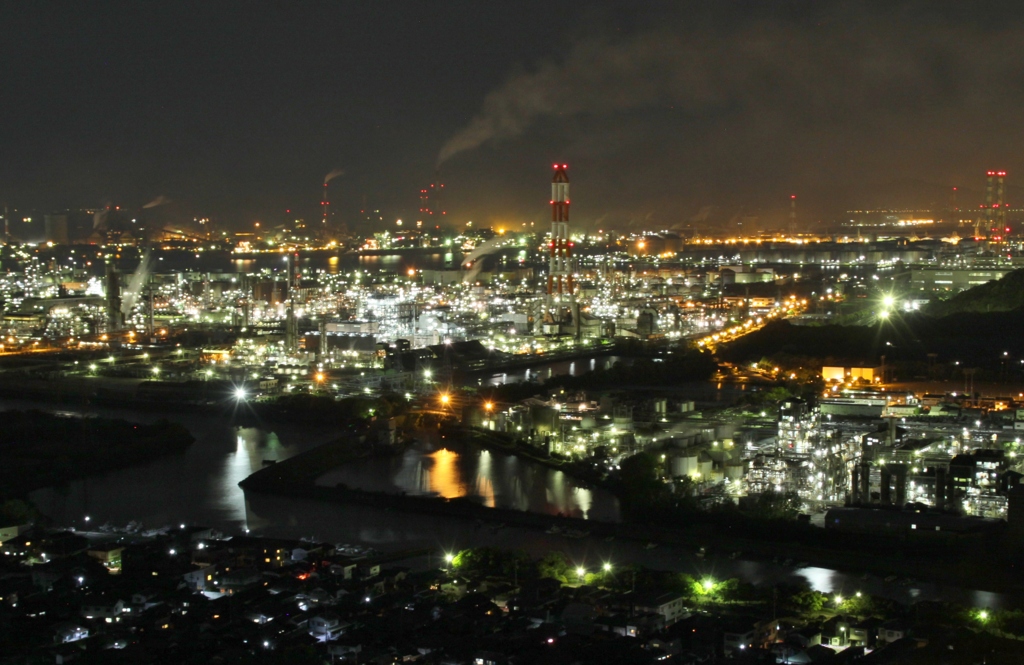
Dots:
pixel 556 566
pixel 640 485
pixel 773 505
pixel 16 511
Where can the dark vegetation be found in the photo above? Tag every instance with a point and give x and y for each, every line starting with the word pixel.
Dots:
pixel 974 339
pixel 646 499
pixel 1001 295
pixel 324 410
pixel 730 595
pixel 40 449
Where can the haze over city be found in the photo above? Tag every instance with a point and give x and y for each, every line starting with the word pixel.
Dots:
pixel 236 113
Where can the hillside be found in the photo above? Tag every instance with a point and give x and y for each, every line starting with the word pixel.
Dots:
pixel 1002 295
pixel 974 338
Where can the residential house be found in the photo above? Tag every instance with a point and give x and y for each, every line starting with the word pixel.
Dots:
pixel 69 632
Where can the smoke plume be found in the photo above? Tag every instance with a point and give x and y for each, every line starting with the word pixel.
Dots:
pixel 158 201
pixel 135 285
pixel 472 261
pixel 839 70
pixel 333 174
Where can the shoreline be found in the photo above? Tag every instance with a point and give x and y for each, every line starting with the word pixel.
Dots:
pixel 295 478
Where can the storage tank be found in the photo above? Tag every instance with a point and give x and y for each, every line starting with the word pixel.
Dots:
pixel 684 465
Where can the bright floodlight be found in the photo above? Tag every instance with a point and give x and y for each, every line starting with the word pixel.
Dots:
pixel 445 398
pixel 607 567
pixel 581 571
pixel 708 585
pixel 449 557
pixel 983 615
pixel 884 314
pixel 239 393
pixel 888 301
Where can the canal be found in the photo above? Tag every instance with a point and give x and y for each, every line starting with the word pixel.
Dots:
pixel 200 486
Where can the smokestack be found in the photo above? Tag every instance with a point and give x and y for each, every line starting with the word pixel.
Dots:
pixel 865 482
pixel 940 487
pixel 900 471
pixel 113 284
pixel 560 248
pixel 325 201
pixel 855 485
pixel 792 214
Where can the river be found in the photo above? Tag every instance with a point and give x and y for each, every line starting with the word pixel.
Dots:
pixel 200 486
pixel 436 467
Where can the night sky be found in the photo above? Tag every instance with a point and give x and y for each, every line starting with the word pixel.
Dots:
pixel 237 111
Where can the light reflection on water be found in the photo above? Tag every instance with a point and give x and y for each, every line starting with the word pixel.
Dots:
pixel 492 478
pixel 199 487
pixel 252 446
pixel 548 370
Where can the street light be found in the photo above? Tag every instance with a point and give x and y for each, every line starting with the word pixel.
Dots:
pixel 488 406
pixel 581 571
pixel 445 399
pixel 607 567
pixel 708 584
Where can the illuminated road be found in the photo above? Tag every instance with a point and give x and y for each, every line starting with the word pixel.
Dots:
pixel 790 307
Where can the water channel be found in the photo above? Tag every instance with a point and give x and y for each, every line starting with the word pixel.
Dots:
pixel 436 467
pixel 200 486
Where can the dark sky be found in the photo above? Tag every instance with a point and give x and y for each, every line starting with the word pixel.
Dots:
pixel 239 110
